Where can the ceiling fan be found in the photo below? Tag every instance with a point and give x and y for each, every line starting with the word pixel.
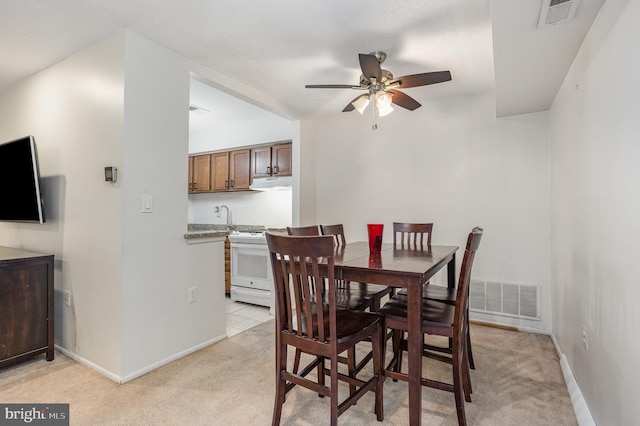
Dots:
pixel 381 85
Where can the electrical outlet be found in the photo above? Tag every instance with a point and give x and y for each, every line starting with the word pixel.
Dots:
pixel 192 295
pixel 585 340
pixel 67 298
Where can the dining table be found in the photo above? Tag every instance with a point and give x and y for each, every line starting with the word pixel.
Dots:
pixel 400 268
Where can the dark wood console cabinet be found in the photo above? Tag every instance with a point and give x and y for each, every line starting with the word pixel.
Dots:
pixel 26 305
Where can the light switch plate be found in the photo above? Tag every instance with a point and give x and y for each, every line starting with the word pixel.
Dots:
pixel 147 204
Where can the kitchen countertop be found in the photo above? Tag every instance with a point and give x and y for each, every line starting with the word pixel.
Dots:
pixel 198 232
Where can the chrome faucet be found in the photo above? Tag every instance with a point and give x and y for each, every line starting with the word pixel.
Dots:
pixel 229 220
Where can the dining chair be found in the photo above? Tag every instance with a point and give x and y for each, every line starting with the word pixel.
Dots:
pixel 440 293
pixel 415 236
pixel 440 319
pixel 345 299
pixel 304 320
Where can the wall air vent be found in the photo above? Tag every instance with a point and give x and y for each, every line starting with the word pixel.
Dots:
pixel 513 300
pixel 556 11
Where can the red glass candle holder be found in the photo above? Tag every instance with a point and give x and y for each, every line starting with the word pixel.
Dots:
pixel 375 237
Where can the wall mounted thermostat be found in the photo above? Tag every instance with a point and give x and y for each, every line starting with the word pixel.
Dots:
pixel 110 174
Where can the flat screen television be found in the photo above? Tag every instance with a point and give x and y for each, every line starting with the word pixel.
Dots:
pixel 20 196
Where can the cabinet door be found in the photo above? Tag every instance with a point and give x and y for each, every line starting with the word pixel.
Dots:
pixel 239 169
pixel 23 310
pixel 261 162
pixel 281 159
pixel 190 176
pixel 220 171
pixel 201 173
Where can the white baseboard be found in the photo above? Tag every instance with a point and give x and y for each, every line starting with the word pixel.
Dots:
pixel 142 371
pixel 108 374
pixel 580 406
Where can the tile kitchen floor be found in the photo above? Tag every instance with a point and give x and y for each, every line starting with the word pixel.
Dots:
pixel 243 316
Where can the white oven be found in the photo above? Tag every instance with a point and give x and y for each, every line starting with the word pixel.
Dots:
pixel 251 274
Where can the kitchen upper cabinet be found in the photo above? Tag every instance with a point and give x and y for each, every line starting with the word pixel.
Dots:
pixel 230 171
pixel 272 160
pixel 240 169
pixel 220 171
pixel 200 173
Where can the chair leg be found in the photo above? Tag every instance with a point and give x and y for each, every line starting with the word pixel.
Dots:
pixel 321 373
pixel 465 372
pixel 466 363
pixel 281 365
pixel 397 349
pixel 296 361
pixel 378 344
pixel 458 386
pixel 469 352
pixel 351 367
pixel 333 392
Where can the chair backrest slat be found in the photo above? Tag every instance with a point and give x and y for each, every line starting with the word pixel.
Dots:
pixel 303 231
pixel 405 235
pixel 337 231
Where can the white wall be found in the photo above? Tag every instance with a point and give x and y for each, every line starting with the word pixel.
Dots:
pixel 75 111
pixel 123 102
pixel 158 268
pixel 594 130
pixel 452 163
pixel 272 209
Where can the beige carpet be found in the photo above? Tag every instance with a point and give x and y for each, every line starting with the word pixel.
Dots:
pixel 517 381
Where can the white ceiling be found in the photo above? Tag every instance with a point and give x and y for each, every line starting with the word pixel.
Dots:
pixel 278 46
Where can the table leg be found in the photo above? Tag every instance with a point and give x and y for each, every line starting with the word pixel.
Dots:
pixel 414 337
pixel 451 281
pixel 451 272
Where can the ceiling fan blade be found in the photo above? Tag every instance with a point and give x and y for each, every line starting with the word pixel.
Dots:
pixel 370 67
pixel 331 86
pixel 350 106
pixel 405 101
pixel 423 79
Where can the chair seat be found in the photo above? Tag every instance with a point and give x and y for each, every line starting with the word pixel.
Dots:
pixel 369 290
pixel 438 293
pixel 436 315
pixel 348 322
pixel 350 299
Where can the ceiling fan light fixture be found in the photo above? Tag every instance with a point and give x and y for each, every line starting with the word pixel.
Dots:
pixel 384 110
pixel 383 103
pixel 361 103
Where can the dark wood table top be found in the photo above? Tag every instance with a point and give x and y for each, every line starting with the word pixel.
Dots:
pixel 390 267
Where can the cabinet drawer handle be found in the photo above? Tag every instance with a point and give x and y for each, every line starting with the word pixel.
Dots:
pixel 226 184
pixel 269 170
pixel 275 170
pixel 232 183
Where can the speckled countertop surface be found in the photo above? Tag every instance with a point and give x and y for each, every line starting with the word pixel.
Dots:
pixel 208 230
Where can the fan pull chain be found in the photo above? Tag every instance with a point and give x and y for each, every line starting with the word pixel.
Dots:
pixel 374 126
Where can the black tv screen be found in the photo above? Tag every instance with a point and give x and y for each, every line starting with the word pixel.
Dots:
pixel 20 197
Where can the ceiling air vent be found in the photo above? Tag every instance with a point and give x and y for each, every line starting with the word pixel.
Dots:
pixel 197 109
pixel 556 11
